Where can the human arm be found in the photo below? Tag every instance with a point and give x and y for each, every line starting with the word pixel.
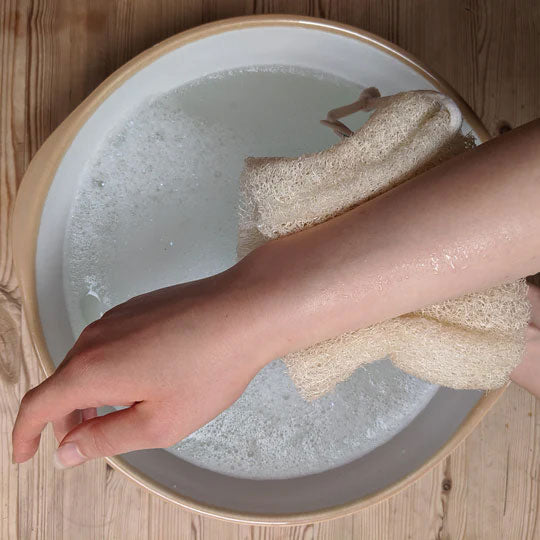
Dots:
pixel 180 355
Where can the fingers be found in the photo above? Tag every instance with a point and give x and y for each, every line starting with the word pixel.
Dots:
pixel 63 426
pixel 54 400
pixel 79 383
pixel 43 404
pixel 122 431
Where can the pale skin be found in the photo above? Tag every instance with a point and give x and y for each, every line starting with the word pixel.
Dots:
pixel 179 356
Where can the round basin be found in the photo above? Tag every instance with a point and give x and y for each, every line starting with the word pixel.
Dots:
pixel 48 196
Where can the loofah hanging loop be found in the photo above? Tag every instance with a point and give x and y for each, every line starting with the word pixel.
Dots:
pixel 366 102
pixel 370 99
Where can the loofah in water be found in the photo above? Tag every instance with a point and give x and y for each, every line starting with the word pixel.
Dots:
pixel 469 342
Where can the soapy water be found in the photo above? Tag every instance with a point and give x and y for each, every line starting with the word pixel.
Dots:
pixel 157 205
pixel 271 432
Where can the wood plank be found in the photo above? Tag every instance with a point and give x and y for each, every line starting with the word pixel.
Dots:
pixel 12 164
pixel 53 53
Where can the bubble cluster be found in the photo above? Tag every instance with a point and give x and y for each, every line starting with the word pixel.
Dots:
pixel 271 432
pixel 157 205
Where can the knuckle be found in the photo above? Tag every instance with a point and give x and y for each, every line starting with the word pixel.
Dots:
pixel 28 402
pixel 114 311
pixel 27 398
pixel 83 363
pixel 92 331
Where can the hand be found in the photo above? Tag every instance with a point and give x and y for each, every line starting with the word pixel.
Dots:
pixel 176 357
pixel 527 374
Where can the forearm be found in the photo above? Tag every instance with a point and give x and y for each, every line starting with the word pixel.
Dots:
pixel 467 225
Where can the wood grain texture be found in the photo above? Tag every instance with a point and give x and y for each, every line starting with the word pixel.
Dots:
pixel 52 54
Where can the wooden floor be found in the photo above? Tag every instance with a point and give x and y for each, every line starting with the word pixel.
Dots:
pixel 52 54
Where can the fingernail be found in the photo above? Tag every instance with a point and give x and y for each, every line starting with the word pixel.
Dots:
pixel 68 455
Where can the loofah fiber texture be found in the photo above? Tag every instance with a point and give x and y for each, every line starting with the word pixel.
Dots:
pixel 469 342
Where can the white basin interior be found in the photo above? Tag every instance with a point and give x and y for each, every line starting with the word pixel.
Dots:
pixel 359 62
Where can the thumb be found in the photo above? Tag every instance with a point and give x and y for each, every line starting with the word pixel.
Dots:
pixel 122 431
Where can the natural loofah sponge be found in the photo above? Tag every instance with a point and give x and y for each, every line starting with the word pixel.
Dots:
pixel 469 342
